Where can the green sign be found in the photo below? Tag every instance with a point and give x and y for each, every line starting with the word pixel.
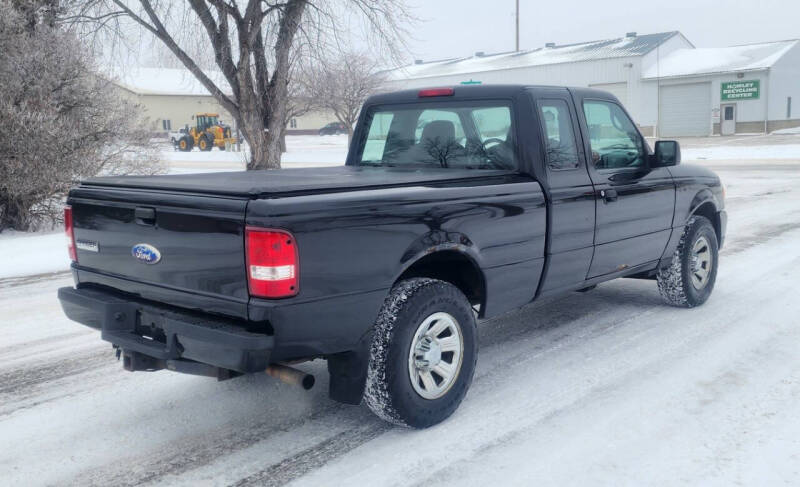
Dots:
pixel 470 82
pixel 741 90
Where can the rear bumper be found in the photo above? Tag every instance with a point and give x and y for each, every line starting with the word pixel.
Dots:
pixel 169 337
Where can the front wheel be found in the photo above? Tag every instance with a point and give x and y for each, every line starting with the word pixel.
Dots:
pixel 185 143
pixel 690 277
pixel 423 353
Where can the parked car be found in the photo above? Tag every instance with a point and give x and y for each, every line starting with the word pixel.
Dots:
pixel 333 128
pixel 506 195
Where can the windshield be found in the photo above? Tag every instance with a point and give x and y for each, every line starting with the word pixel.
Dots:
pixel 449 135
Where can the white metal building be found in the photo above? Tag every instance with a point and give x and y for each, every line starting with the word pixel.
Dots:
pixel 725 90
pixel 670 87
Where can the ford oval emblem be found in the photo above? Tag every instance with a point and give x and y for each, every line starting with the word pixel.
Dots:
pixel 146 253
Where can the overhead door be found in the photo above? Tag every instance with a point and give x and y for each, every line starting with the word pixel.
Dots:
pixel 620 90
pixel 684 110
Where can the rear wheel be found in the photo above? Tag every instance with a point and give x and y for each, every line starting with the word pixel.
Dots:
pixel 423 353
pixel 186 143
pixel 690 277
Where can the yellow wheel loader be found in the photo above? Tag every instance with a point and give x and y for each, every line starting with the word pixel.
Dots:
pixel 206 134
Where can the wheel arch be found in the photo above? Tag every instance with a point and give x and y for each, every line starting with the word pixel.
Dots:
pixel 707 207
pixel 453 265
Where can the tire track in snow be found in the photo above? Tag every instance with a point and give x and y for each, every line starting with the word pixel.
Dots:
pixel 26 346
pixel 23 378
pixel 32 279
pixel 197 451
pixel 315 457
pixel 32 385
pixel 765 234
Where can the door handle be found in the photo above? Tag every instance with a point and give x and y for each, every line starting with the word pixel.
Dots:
pixel 145 216
pixel 608 195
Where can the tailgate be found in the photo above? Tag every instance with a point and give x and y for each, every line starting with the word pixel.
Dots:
pixel 153 243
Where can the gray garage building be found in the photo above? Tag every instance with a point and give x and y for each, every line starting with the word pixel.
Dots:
pixel 670 87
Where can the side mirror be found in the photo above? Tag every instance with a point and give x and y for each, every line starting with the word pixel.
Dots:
pixel 667 153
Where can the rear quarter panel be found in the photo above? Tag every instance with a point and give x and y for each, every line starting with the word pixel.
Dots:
pixel 358 243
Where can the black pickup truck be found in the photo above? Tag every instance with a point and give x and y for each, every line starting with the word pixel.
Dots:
pixel 455 204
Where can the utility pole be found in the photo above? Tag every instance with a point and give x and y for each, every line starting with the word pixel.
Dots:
pixel 516 48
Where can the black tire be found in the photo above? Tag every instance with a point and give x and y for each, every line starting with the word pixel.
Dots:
pixel 389 392
pixel 209 143
pixel 185 143
pixel 676 283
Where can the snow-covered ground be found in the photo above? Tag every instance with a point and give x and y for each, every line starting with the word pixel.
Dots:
pixel 747 152
pixel 301 151
pixel 609 387
pixel 23 254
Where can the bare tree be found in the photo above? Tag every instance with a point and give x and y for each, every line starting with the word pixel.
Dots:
pixel 60 121
pixel 300 100
pixel 343 84
pixel 252 42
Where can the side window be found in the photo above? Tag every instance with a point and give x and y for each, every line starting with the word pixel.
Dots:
pixel 614 141
pixel 562 151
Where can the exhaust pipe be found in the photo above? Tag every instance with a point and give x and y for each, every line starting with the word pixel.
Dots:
pixel 291 376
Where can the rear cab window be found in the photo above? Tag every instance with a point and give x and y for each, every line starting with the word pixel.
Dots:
pixel 559 134
pixel 463 135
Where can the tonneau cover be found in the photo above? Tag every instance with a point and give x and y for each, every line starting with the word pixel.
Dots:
pixel 286 182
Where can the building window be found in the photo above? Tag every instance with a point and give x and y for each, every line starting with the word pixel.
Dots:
pixel 293 123
pixel 166 124
pixel 789 107
pixel 728 113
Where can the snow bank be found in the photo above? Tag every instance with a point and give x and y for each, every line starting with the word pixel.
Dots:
pixel 791 131
pixel 753 152
pixel 25 254
pixel 301 151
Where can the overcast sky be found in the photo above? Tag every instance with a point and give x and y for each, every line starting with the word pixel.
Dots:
pixel 451 28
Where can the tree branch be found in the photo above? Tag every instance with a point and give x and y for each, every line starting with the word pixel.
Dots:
pixel 158 29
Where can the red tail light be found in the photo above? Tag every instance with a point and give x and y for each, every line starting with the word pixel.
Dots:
pixel 436 92
pixel 272 263
pixel 69 229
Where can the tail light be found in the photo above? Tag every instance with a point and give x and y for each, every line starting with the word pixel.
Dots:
pixel 70 231
pixel 272 263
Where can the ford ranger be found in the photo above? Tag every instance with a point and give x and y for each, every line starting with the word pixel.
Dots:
pixel 455 204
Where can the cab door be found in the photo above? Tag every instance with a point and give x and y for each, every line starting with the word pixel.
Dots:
pixel 634 202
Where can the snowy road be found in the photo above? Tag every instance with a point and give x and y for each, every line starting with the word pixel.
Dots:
pixel 607 387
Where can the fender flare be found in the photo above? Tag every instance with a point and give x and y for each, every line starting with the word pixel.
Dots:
pixel 702 197
pixel 436 242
